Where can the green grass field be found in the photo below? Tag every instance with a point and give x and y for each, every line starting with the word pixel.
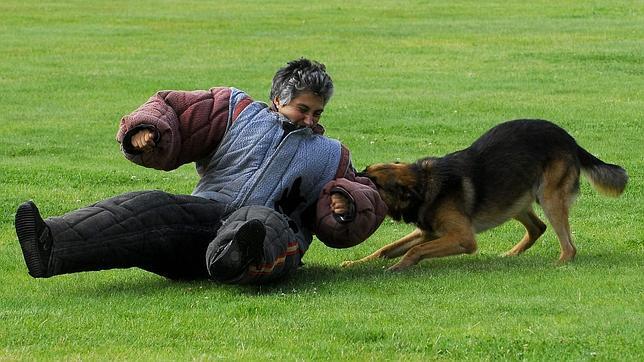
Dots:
pixel 413 78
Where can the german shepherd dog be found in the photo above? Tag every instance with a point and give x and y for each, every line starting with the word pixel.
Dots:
pixel 497 178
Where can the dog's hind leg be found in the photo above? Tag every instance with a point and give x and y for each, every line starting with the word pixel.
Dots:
pixel 557 214
pixel 560 184
pixel 393 250
pixel 534 229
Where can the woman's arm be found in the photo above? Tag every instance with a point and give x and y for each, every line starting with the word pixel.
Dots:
pixel 363 209
pixel 177 127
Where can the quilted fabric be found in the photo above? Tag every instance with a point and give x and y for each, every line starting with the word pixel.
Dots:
pixel 192 124
pixel 188 126
pixel 278 237
pixel 369 213
pixel 156 231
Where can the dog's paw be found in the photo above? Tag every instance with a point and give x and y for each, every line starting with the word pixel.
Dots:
pixel 566 256
pixel 397 267
pixel 347 264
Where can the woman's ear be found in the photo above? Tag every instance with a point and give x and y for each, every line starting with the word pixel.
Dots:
pixel 276 103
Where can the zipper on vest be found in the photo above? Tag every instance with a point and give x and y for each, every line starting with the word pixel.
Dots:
pixel 260 173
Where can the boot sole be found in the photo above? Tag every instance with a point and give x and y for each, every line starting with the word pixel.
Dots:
pixel 26 230
pixel 246 240
pixel 251 237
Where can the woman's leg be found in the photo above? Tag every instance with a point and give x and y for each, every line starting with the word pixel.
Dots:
pixel 159 232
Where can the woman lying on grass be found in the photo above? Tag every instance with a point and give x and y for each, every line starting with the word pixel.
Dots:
pixel 269 180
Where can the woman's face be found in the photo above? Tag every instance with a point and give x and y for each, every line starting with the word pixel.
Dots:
pixel 304 110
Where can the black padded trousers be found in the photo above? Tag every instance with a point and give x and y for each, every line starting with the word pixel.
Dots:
pixel 162 233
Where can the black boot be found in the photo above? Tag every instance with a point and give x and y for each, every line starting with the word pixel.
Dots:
pixel 35 239
pixel 233 257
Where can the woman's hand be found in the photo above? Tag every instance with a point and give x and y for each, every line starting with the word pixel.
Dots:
pixel 143 140
pixel 339 204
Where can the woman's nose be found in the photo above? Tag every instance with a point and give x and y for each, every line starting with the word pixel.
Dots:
pixel 309 120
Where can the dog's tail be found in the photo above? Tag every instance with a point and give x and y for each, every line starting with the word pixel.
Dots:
pixel 606 178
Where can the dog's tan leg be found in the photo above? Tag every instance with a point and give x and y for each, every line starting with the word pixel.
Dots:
pixel 557 214
pixel 392 250
pixel 560 183
pixel 534 229
pixel 451 244
pixel 457 238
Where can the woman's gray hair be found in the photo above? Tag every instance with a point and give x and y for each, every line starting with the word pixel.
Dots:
pixel 299 76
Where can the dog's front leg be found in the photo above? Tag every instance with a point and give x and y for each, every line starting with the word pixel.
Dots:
pixel 392 250
pixel 450 244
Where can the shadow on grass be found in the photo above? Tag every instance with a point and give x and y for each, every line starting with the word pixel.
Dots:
pixel 132 282
pixel 329 276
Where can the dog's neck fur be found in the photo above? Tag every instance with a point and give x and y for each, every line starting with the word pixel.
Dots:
pixel 428 180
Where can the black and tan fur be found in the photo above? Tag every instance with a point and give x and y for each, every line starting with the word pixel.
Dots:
pixel 497 178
